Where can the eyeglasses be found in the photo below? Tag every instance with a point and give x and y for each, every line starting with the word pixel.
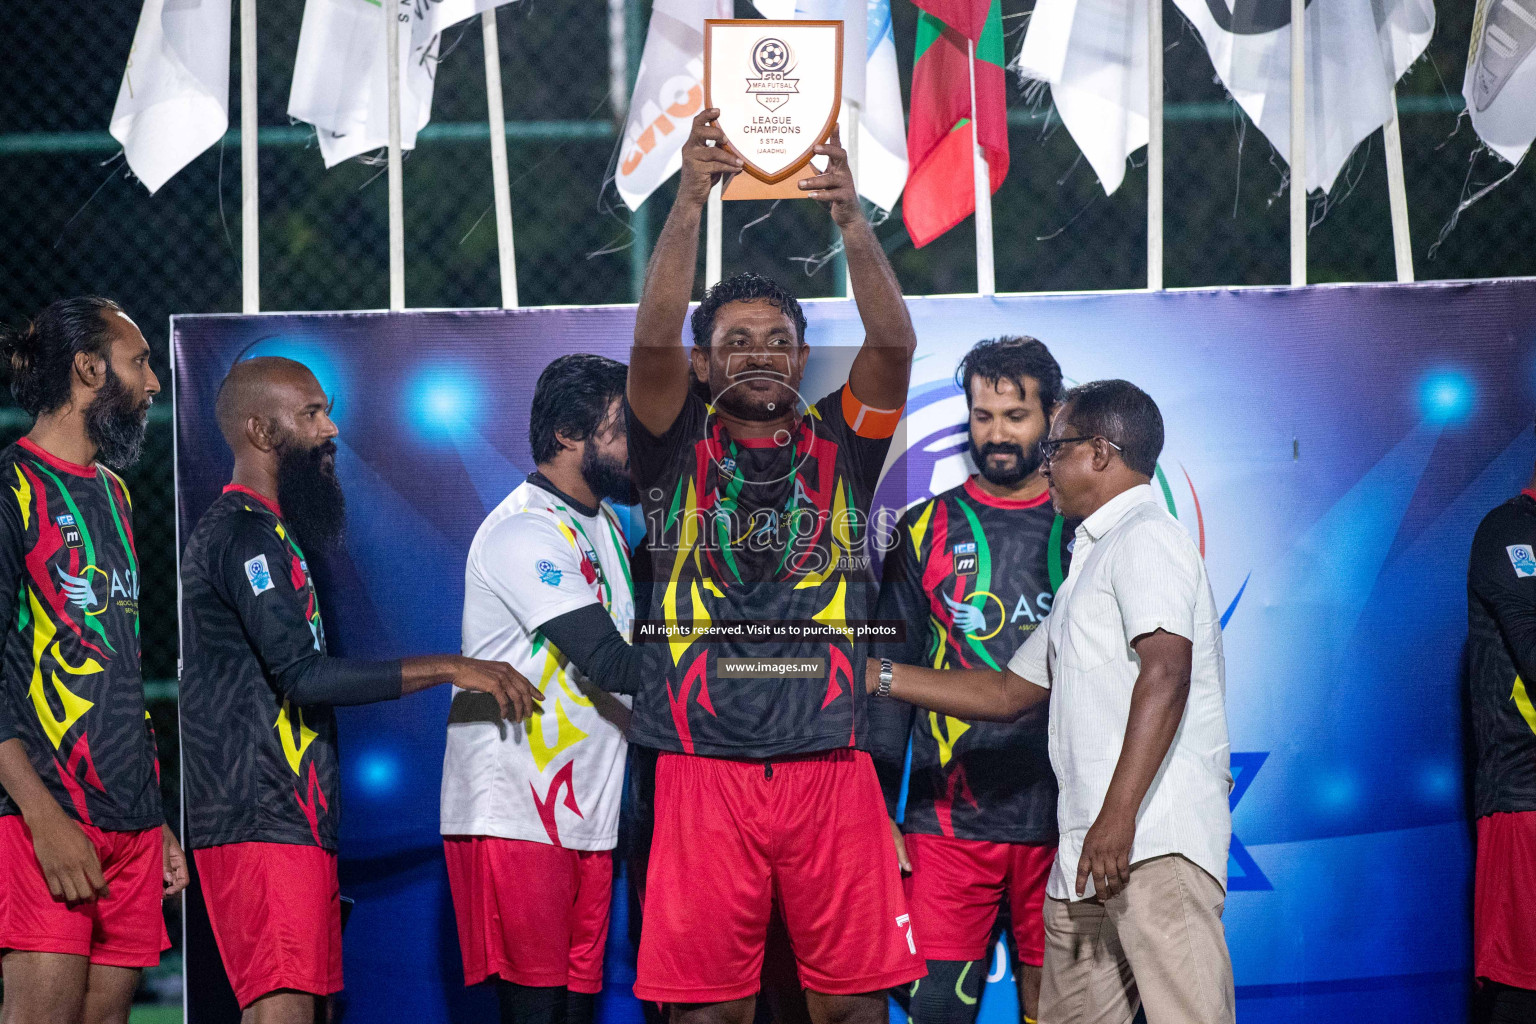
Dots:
pixel 1050 447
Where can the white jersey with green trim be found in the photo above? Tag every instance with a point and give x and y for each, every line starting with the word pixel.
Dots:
pixel 559 777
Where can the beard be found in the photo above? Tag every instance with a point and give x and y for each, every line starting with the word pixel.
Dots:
pixel 116 424
pixel 310 495
pixel 1006 476
pixel 608 477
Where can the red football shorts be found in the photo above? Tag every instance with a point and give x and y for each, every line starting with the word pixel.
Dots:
pixel 123 929
pixel 530 913
pixel 276 915
pixel 956 886
pixel 1504 907
pixel 733 836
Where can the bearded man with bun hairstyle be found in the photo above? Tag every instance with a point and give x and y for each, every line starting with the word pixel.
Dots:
pixel 85 854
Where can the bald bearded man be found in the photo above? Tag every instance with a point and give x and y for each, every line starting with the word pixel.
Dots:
pixel 261 798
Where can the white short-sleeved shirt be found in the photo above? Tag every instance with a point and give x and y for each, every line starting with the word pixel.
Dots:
pixel 559 777
pixel 1134 570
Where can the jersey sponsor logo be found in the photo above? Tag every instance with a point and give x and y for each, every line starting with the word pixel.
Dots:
pixel 547 571
pixel 965 558
pixel 79 589
pixel 259 575
pixel 1523 559
pixel 70 530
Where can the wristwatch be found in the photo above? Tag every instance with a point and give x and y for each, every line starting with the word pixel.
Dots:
pixel 886 668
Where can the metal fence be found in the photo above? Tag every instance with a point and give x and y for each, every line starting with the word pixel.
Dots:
pixel 72 220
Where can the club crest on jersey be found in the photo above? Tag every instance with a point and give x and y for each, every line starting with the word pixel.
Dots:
pixel 259 575
pixel 70 530
pixel 965 558
pixel 1523 559
pixel 727 468
pixel 548 573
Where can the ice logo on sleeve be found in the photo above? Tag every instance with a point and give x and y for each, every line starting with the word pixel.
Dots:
pixel 547 572
pixel 1523 559
pixel 259 575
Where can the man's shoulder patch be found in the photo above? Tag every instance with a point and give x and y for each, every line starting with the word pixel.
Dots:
pixel 1523 558
pixel 258 575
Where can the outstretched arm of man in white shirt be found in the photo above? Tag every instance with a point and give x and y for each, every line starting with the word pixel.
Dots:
pixel 1157 706
pixel 976 694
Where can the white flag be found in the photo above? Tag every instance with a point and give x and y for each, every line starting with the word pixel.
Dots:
pixel 339 77
pixel 1500 86
pixel 1356 52
pixel 669 93
pixel 870 81
pixel 1094 55
pixel 174 100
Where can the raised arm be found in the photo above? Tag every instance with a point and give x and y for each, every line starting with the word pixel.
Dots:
pixel 658 366
pixel 884 363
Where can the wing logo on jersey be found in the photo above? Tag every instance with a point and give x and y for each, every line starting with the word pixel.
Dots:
pixel 79 591
pixel 971 620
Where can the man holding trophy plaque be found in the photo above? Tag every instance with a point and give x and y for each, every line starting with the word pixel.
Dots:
pixel 757 504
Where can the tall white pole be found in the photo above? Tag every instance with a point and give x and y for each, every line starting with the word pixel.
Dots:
pixel 986 280
pixel 850 136
pixel 1154 144
pixel 1397 196
pixel 714 214
pixel 505 254
pixel 392 9
pixel 618 61
pixel 1298 142
pixel 250 204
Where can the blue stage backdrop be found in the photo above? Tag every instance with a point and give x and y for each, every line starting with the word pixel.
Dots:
pixel 1330 449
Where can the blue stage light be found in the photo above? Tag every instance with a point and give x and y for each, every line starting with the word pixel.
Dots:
pixel 1447 396
pixel 377 772
pixel 1338 792
pixel 444 402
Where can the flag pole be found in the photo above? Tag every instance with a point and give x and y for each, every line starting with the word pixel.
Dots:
pixel 396 193
pixel 506 256
pixel 250 204
pixel 850 134
pixel 1154 145
pixel 713 215
pixel 1298 142
pixel 986 283
pixel 1397 195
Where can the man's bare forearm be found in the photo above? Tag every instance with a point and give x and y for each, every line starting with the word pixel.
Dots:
pixel 977 694
pixel 22 783
pixel 876 292
pixel 1157 706
pixel 669 279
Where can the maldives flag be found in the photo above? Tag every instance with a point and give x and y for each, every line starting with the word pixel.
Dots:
pixel 940 192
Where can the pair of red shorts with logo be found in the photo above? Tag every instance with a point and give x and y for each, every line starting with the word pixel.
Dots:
pixel 732 839
pixel 275 909
pixel 125 928
pixel 956 886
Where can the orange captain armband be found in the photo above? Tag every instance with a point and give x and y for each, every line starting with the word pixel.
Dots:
pixel 866 420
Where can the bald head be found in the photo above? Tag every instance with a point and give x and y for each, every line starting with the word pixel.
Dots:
pixel 266 399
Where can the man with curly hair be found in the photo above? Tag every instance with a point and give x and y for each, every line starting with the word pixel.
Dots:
pixel 757 505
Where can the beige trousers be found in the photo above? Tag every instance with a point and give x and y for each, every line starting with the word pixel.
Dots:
pixel 1158 944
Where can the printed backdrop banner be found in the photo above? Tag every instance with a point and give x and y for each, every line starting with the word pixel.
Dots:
pixel 1330 449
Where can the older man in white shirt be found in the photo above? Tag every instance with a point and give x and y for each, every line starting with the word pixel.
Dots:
pixel 1138 732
